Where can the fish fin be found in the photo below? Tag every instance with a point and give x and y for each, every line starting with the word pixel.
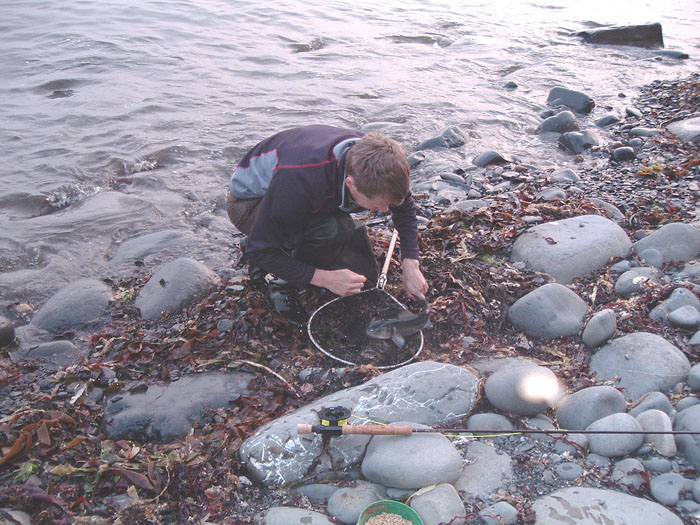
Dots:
pixel 405 314
pixel 398 339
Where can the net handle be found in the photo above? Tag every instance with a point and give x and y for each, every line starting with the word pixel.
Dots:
pixel 381 283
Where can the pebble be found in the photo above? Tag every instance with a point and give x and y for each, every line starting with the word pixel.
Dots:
pixel 666 488
pixel 623 153
pixel 578 410
pixel 652 400
pixel 686 317
pixel 660 465
pixel 686 402
pixel 652 257
pixel 571 444
pixel 656 420
pixel 569 471
pixel 628 474
pixel 501 513
pixel 613 445
pixel 442 504
pixel 346 504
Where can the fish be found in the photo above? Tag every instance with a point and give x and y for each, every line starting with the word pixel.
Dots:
pixel 398 328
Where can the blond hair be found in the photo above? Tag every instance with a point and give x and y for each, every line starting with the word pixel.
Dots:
pixel 379 167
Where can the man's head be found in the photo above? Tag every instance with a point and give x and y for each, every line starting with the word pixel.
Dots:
pixel 377 168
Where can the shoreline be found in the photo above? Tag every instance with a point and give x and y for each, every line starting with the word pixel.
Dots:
pixel 202 475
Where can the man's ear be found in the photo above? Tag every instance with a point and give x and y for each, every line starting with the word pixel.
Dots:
pixel 350 182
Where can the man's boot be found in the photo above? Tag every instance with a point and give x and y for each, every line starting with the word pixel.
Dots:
pixel 285 299
pixel 256 275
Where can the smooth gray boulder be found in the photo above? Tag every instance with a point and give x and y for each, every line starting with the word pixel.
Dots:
pixel 501 513
pixel 613 445
pixel 411 462
pixel 565 175
pixel 611 211
pixel 525 390
pixel 77 305
pixel 676 241
pixel 578 410
pixel 486 474
pixel 643 362
pixel 694 378
pixel 450 137
pixel 427 392
pixel 590 506
pixel 666 488
pixel 489 421
pixel 599 328
pixel 689 445
pixel 652 401
pixel 165 413
pixel 679 298
pixel 644 35
pixel 688 129
pixel 56 354
pixel 441 504
pixel 174 286
pixel 294 516
pixel 623 153
pixel 560 123
pixel 629 474
pixel 656 420
pixel 635 280
pixel 579 102
pixel 652 257
pixel 578 141
pixel 153 249
pixel 549 312
pixel 346 504
pixel 489 158
pixel 607 120
pixel 686 317
pixel 571 248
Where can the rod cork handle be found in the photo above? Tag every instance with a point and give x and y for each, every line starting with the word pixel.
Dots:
pixel 370 430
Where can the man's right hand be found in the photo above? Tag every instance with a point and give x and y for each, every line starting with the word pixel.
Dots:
pixel 340 282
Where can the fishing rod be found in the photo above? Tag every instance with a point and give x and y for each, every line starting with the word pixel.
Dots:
pixel 334 422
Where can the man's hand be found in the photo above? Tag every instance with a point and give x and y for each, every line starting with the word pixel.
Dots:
pixel 340 282
pixel 413 280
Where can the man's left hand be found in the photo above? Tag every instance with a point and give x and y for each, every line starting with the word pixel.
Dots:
pixel 413 280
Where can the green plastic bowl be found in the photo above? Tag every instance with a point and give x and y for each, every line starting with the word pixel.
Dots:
pixel 390 507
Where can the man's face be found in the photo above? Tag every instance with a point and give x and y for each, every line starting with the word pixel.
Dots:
pixel 369 203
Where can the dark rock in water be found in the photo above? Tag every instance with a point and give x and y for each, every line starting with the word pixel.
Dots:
pixel 560 123
pixel 577 142
pixel 575 100
pixel 54 353
pixel 451 137
pixel 671 53
pixel 7 332
pixel 607 120
pixel 623 153
pixel 75 306
pixel 511 85
pixel 164 413
pixel 646 35
pixel 489 157
pixel 415 158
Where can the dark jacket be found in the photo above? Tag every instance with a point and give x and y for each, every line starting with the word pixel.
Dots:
pixel 299 173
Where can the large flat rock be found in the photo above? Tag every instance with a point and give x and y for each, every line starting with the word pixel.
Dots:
pixel 589 506
pixel 571 248
pixel 167 412
pixel 427 393
pixel 642 362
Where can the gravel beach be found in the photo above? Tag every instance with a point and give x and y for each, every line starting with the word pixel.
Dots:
pixel 92 431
